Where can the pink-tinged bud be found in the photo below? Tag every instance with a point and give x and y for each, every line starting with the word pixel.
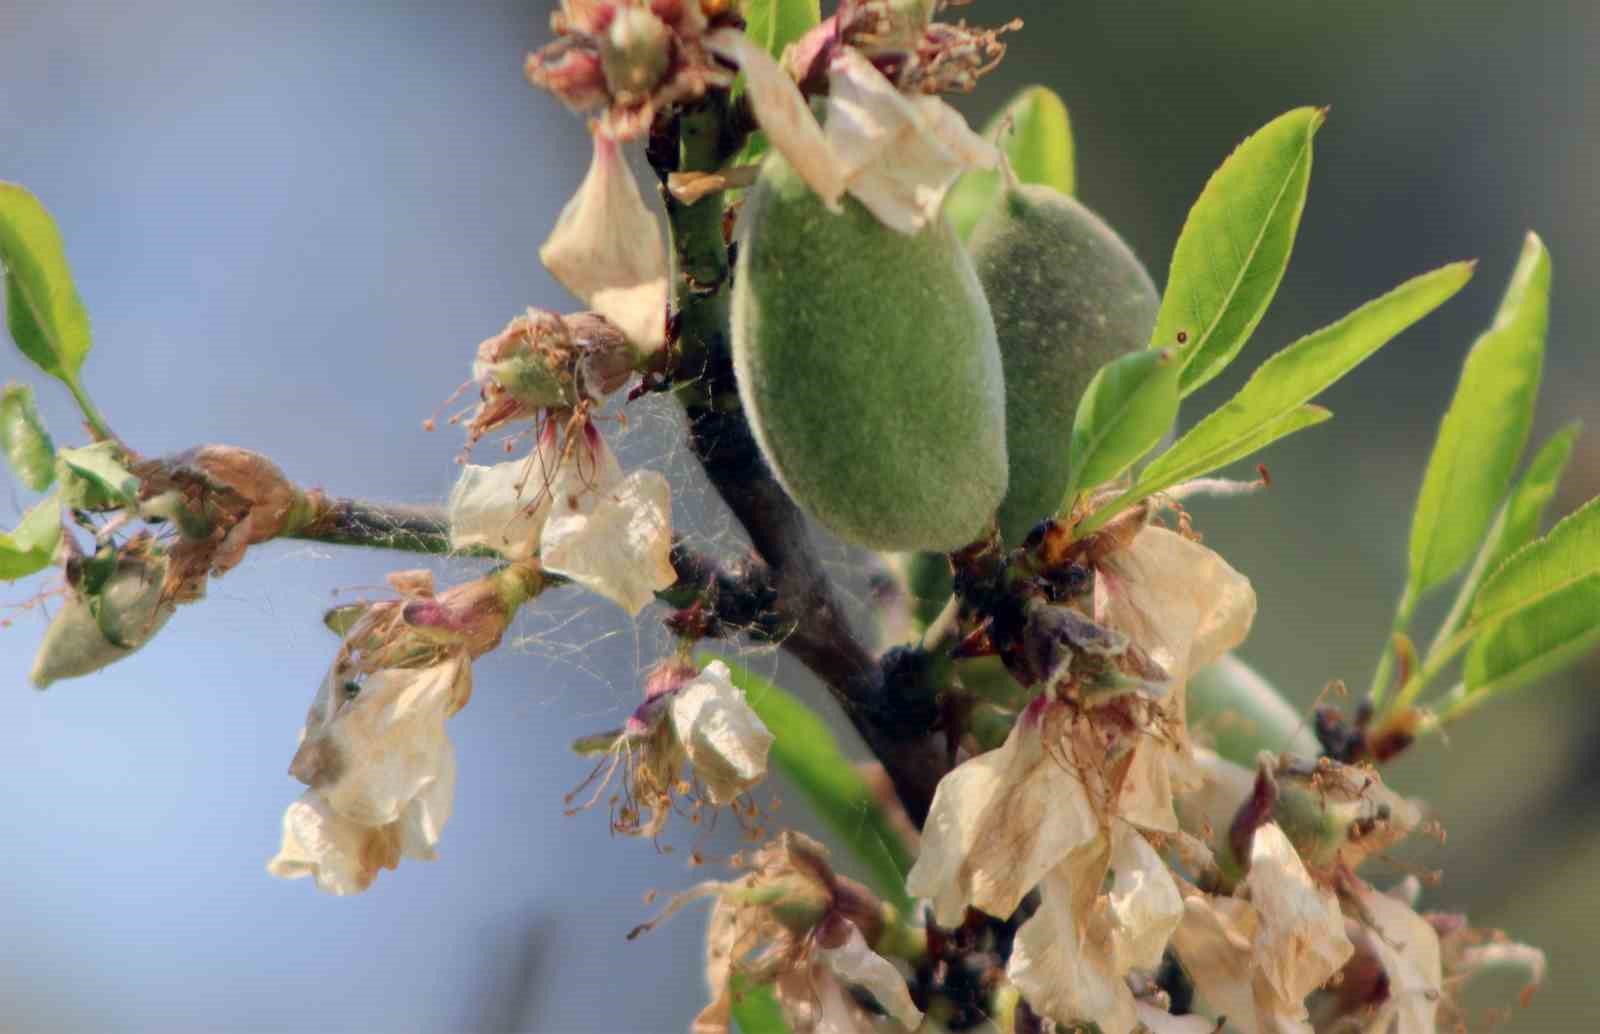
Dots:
pixel 475 614
pixel 583 16
pixel 669 676
pixel 635 54
pixel 605 362
pixel 570 68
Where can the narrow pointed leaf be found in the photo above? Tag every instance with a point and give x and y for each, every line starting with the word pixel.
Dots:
pixel 806 751
pixel 1524 511
pixel 1163 473
pixel 1126 410
pixel 46 318
pixel 24 440
pixel 1537 642
pixel 32 546
pixel 1034 132
pixel 1234 247
pixel 1272 402
pixel 1543 569
pixel 1485 429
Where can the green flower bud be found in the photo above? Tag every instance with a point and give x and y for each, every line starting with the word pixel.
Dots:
pixel 635 53
pixel 103 623
pixel 868 367
pixel 1068 296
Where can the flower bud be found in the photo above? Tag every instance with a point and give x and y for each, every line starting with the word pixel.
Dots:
pixel 106 617
pixel 635 53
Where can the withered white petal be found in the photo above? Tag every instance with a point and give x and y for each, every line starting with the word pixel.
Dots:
pixel 1068 975
pixel 424 818
pixel 783 114
pixel 1408 947
pixel 503 507
pixel 726 742
pixel 899 154
pixel 340 855
pixel 388 743
pixel 1301 941
pixel 607 249
pixel 998 823
pixel 1144 902
pixel 1159 1021
pixel 1178 600
pixel 609 533
pixel 856 964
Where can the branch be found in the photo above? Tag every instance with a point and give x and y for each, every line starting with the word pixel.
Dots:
pixel 893 714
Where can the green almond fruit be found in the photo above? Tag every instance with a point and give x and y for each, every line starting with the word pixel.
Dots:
pixel 1068 296
pixel 868 368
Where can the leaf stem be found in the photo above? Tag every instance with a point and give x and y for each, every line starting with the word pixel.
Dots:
pixel 91 414
pixel 1385 671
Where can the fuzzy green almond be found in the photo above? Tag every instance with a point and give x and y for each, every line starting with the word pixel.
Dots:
pixel 1068 296
pixel 868 368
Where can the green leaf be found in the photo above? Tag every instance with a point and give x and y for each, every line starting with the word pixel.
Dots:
pixel 24 440
pixel 1173 467
pixel 1524 511
pixel 1543 569
pixel 1235 246
pixel 1127 408
pixel 1272 402
pixel 806 751
pixel 94 477
pixel 32 546
pixel 774 24
pixel 46 318
pixel 1485 429
pixel 1536 642
pixel 755 1007
pixel 777 23
pixel 1035 133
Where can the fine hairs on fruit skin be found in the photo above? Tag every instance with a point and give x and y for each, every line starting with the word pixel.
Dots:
pixel 868 367
pixel 1068 296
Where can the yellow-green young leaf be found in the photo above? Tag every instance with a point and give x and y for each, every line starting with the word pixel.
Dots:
pixel 24 440
pixel 1524 511
pixel 32 546
pixel 1536 642
pixel 774 24
pixel 46 318
pixel 1270 403
pixel 94 477
pixel 1235 246
pixel 1126 410
pixel 1543 569
pixel 755 1007
pixel 1035 133
pixel 806 751
pixel 1183 461
pixel 1485 429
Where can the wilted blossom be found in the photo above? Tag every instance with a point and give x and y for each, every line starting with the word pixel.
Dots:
pixel 570 503
pixel 634 58
pixel 543 361
pixel 1070 959
pixel 793 923
pixel 379 768
pixel 1255 956
pixel 688 717
pixel 1085 774
pixel 895 153
pixel 607 249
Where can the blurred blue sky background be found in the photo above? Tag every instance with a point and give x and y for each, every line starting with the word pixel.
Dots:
pixel 292 223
